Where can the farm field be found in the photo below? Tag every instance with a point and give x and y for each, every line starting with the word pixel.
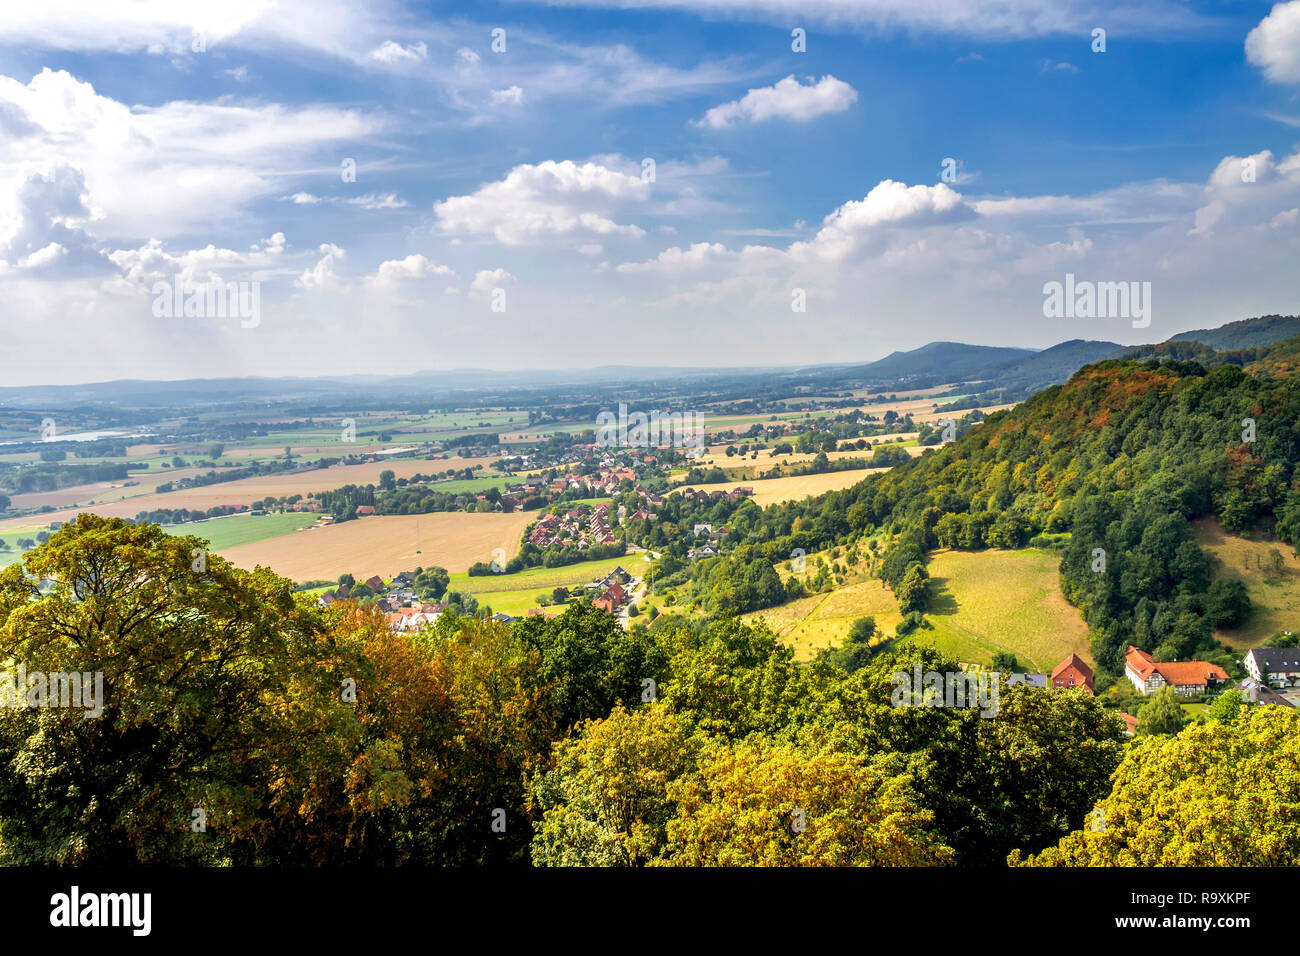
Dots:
pixel 516 593
pixel 987 601
pixel 776 490
pixel 222 534
pixel 247 490
pixel 1275 596
pixel 386 544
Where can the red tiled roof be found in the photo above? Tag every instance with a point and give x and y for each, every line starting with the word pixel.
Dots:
pixel 1072 661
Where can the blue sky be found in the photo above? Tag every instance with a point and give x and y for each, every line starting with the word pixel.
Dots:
pixel 501 215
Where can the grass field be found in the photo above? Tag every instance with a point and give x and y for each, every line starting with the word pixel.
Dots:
pixel 235 530
pixel 821 621
pixel 516 593
pixel 987 601
pixel 776 490
pixel 1275 596
pixel 387 544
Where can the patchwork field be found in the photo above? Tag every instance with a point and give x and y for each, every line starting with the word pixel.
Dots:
pixel 247 490
pixel 987 601
pixel 386 544
pixel 1274 594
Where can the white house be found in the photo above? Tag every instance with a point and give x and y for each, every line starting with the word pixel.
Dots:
pixel 1281 664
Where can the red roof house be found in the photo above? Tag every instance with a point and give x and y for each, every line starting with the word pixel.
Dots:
pixel 1072 672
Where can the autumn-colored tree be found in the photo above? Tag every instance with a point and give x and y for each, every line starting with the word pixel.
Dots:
pixel 202 667
pixel 606 802
pixel 1217 794
pixel 755 803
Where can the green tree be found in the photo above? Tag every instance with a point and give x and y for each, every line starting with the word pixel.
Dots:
pixel 1162 713
pixel 1217 794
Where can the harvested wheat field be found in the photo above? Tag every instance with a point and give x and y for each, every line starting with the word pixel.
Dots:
pixel 771 491
pixel 248 490
pixel 386 544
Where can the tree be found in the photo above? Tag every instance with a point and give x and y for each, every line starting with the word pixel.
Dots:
pixel 1225 707
pixel 1005 662
pixel 209 684
pixel 1215 795
pixel 346 580
pixel 431 583
pixel 4 502
pixel 388 479
pixel 606 802
pixel 756 803
pixel 1162 713
pixel 913 592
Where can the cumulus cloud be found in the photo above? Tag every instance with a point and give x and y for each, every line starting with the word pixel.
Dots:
pixel 395 272
pixel 546 200
pixel 322 277
pixel 136 162
pixel 392 53
pixel 787 99
pixel 1274 45
pixel 485 280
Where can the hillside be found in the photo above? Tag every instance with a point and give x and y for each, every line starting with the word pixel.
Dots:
pixel 1245 334
pixel 946 361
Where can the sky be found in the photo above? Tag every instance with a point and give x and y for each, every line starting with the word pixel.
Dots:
pixel 401 186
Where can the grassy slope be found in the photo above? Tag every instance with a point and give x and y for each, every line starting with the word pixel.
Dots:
pixel 235 530
pixel 988 601
pixel 1276 597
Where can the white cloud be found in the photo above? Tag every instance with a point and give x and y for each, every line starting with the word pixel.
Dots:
pixel 414 266
pixel 549 199
pixel 392 53
pixel 513 95
pixel 166 170
pixel 366 201
pixel 1274 45
pixel 322 277
pixel 485 280
pixel 997 19
pixel 787 99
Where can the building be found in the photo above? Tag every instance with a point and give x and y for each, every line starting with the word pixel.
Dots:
pixel 1256 692
pixel 1188 678
pixel 1029 680
pixel 1072 672
pixel 1280 664
pixel 1130 723
pixel 363 510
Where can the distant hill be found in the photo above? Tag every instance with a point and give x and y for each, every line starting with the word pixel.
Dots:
pixel 1245 334
pixel 943 361
pixel 1050 366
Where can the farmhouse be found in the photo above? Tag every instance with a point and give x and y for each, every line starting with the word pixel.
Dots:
pixel 365 510
pixel 375 583
pixel 1188 678
pixel 1072 672
pixel 1280 666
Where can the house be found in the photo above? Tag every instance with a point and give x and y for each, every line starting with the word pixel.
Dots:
pixel 363 510
pixel 502 618
pixel 1072 672
pixel 703 529
pixel 1029 680
pixel 1257 692
pixel 1280 666
pixel 405 578
pixel 613 598
pixel 1130 723
pixel 1188 678
pixel 325 600
pixel 344 592
pixel 375 583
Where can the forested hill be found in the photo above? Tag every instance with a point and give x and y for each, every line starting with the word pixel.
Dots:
pixel 1124 455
